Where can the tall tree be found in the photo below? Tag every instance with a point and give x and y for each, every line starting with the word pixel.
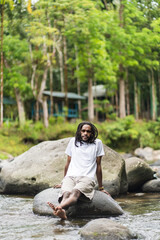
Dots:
pixel 86 29
pixel 15 55
pixel 2 16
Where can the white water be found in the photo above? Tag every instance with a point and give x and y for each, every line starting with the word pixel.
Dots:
pixel 18 222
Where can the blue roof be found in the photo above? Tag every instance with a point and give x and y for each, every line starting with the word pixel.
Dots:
pixel 70 95
pixel 8 101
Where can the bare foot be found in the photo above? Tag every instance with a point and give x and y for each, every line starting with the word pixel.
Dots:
pixel 51 205
pixel 61 213
pixel 58 211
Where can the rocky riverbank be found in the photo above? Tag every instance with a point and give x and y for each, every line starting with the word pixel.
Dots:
pixel 35 172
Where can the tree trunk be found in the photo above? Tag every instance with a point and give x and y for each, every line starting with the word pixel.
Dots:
pixel 153 97
pixel 136 105
pixel 79 101
pixel 105 4
pixel 127 95
pixel 2 17
pixel 45 111
pixel 37 111
pixel 51 89
pixel 65 75
pixel 40 95
pixel 122 111
pixel 117 104
pixel 90 101
pixel 78 85
pixel 20 105
pixel 61 68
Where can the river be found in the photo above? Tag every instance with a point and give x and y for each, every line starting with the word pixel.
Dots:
pixel 18 222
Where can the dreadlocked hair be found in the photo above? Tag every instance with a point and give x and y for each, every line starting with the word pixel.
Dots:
pixel 94 133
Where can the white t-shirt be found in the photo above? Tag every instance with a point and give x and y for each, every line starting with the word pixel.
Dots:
pixel 83 158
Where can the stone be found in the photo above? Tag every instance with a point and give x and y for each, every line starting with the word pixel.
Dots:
pixel 101 205
pixel 144 153
pixel 151 186
pixel 138 172
pixel 148 154
pixel 157 163
pixel 42 166
pixel 105 229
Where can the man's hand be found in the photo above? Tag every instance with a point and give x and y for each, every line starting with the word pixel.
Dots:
pixel 57 186
pixel 105 192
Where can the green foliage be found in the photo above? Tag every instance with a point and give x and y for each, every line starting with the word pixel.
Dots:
pixel 98 41
pixel 121 135
pixel 15 51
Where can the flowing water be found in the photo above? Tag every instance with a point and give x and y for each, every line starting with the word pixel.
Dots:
pixel 18 222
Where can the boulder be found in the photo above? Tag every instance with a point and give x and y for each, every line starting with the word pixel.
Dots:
pixel 114 172
pixel 138 172
pixel 101 205
pixel 42 166
pixel 157 163
pixel 157 174
pixel 105 229
pixel 151 186
pixel 148 154
pixel 144 153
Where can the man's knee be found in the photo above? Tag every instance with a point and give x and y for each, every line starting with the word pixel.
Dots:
pixel 66 194
pixel 76 193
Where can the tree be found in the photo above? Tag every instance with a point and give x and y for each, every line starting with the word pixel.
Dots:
pixel 86 28
pixel 41 39
pixel 15 55
pixel 2 19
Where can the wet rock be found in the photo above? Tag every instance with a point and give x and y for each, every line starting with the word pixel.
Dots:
pixel 151 186
pixel 138 172
pixel 42 166
pixel 101 205
pixel 105 229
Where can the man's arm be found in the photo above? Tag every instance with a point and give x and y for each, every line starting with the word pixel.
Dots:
pixel 99 175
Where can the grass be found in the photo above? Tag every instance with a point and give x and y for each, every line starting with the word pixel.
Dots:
pixel 12 145
pixel 123 135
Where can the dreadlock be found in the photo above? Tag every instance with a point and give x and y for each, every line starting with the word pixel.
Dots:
pixel 94 133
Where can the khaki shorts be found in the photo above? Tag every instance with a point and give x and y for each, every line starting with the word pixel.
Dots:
pixel 84 184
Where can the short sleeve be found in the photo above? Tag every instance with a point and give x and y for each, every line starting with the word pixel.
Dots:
pixel 100 149
pixel 69 147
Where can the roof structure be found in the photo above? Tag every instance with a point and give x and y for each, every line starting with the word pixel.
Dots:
pixel 98 91
pixel 8 101
pixel 70 95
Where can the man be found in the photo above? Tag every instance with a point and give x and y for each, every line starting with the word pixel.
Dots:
pixel 84 152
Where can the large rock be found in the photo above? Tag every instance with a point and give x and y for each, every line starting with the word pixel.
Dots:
pixel 105 229
pixel 42 166
pixel 101 205
pixel 151 186
pixel 148 154
pixel 138 172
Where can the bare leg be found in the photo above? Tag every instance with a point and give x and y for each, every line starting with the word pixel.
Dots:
pixel 66 195
pixel 68 200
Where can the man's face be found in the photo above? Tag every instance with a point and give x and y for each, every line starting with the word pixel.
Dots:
pixel 85 132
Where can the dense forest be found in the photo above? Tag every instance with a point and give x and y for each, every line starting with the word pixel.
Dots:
pixel 73 45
